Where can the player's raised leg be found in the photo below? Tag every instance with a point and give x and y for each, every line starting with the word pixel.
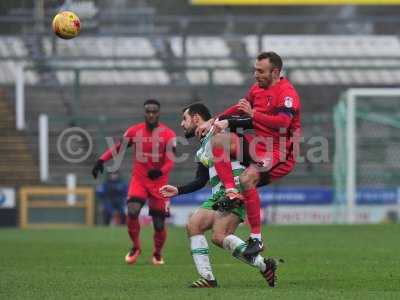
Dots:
pixel 239 149
pixel 252 203
pixel 223 229
pixel 266 266
pixel 222 145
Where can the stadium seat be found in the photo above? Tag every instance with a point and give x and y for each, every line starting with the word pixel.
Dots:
pixel 202 47
pixel 8 73
pixel 103 47
pixel 12 46
pixel 345 77
pixel 331 46
pixel 207 52
pixel 118 52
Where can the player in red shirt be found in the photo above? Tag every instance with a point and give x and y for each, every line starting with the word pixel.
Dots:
pixel 272 107
pixel 153 159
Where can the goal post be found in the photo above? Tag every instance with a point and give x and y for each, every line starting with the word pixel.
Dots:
pixel 367 122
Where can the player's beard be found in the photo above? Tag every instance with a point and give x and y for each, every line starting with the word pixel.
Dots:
pixel 190 132
pixel 264 84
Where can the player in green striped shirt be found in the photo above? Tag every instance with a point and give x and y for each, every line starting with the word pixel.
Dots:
pixel 223 224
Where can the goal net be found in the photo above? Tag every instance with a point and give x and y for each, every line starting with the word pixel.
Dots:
pixel 367 155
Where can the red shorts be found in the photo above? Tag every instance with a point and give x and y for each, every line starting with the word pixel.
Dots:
pixel 271 166
pixel 278 171
pixel 142 189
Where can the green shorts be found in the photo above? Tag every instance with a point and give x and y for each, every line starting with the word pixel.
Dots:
pixel 240 211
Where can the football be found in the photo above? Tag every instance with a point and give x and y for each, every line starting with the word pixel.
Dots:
pixel 66 25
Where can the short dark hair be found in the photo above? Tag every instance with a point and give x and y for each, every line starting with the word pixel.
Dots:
pixel 200 109
pixel 274 59
pixel 152 101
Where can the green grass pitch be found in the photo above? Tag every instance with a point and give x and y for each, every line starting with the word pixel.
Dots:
pixel 322 262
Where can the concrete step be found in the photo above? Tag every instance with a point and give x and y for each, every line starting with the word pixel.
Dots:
pixel 17 165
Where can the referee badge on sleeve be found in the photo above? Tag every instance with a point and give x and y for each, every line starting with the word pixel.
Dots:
pixel 288 102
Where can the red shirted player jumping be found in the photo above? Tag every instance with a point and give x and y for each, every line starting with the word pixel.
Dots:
pixel 153 159
pixel 272 108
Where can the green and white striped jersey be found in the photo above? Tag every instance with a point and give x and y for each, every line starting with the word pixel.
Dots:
pixel 205 156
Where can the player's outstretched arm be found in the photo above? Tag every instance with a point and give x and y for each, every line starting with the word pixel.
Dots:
pixel 281 120
pixel 115 149
pixel 199 182
pixel 107 155
pixel 233 122
pixel 234 110
pixel 168 191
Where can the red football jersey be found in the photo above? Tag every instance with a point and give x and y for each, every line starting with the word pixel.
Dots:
pixel 152 149
pixel 279 98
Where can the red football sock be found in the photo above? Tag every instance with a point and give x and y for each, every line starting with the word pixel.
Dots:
pixel 159 238
pixel 252 203
pixel 134 231
pixel 223 166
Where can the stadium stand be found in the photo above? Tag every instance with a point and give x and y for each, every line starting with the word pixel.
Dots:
pixel 207 55
pixel 142 60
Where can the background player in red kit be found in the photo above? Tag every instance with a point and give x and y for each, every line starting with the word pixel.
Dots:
pixel 153 159
pixel 272 106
